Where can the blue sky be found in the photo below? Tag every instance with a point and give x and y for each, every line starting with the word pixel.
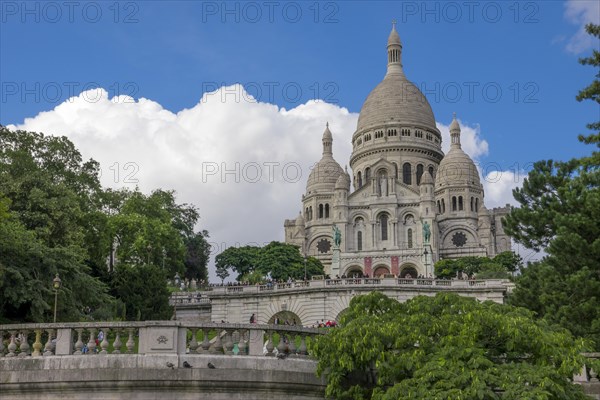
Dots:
pixel 170 51
pixel 508 69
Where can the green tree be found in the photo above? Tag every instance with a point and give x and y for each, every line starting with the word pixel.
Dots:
pixel 222 272
pixel 27 267
pixel 241 260
pixel 283 261
pixel 480 267
pixel 446 347
pixel 143 290
pixel 197 255
pixel 558 211
pixel 49 191
pixel 56 218
pixel 155 229
pixel 277 260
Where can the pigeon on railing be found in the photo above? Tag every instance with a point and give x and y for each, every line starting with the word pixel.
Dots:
pixel 171 365
pixel 186 365
pixel 211 365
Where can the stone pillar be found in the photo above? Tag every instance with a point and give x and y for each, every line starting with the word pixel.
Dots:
pixel 64 340
pixel 395 269
pixel 368 266
pixel 335 262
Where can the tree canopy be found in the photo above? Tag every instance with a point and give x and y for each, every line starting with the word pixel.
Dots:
pixel 446 347
pixel 498 267
pixel 278 260
pixel 559 211
pixel 55 217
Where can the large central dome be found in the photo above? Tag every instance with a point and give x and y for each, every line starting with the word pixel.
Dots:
pixel 395 99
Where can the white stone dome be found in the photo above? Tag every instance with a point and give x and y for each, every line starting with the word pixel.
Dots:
pixel 300 220
pixel 456 168
pixel 326 172
pixel 343 182
pixel 396 100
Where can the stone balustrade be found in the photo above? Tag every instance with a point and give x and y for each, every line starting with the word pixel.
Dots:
pixel 354 283
pixel 178 337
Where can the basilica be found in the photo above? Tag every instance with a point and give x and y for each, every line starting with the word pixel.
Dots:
pixel 406 204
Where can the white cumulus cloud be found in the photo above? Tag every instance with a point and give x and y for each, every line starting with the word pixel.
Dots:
pixel 580 13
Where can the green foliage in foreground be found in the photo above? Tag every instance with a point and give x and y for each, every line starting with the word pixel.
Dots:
pixel 446 347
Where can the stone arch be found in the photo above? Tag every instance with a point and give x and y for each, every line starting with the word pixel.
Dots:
pixel 380 269
pixel 409 268
pixel 352 270
pixel 285 317
pixel 405 213
pixel 359 214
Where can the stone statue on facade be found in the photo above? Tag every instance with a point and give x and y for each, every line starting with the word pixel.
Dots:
pixel 337 236
pixel 383 185
pixel 426 232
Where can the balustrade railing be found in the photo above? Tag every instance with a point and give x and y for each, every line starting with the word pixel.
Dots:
pixel 318 284
pixel 106 338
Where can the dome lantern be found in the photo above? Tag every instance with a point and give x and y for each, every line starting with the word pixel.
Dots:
pixel 394 51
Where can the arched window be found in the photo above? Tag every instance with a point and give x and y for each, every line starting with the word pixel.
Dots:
pixel 310 213
pixel 367 175
pixel 472 204
pixel 409 238
pixel 443 206
pixel 359 180
pixel 383 220
pixel 407 174
pixel 460 203
pixel 306 214
pixel 320 210
pixel 431 171
pixel 476 204
pixel 395 170
pixel 419 173
pixel 439 207
pixel 359 241
pixel 453 203
pixel 326 210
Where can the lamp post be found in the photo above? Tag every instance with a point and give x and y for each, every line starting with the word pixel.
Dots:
pixel 56 282
pixel 305 268
pixel 177 283
pixel 426 253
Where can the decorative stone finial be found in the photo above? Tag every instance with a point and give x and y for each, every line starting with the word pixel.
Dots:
pixel 394 50
pixel 454 132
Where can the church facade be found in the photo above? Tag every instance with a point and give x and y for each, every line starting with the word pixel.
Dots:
pixel 406 204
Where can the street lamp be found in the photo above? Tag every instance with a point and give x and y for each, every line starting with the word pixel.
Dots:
pixel 175 297
pixel 56 282
pixel 305 268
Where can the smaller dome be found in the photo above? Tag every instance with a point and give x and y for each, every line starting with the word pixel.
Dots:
pixel 454 126
pixel 426 179
pixel 326 172
pixel 300 220
pixel 456 168
pixel 343 182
